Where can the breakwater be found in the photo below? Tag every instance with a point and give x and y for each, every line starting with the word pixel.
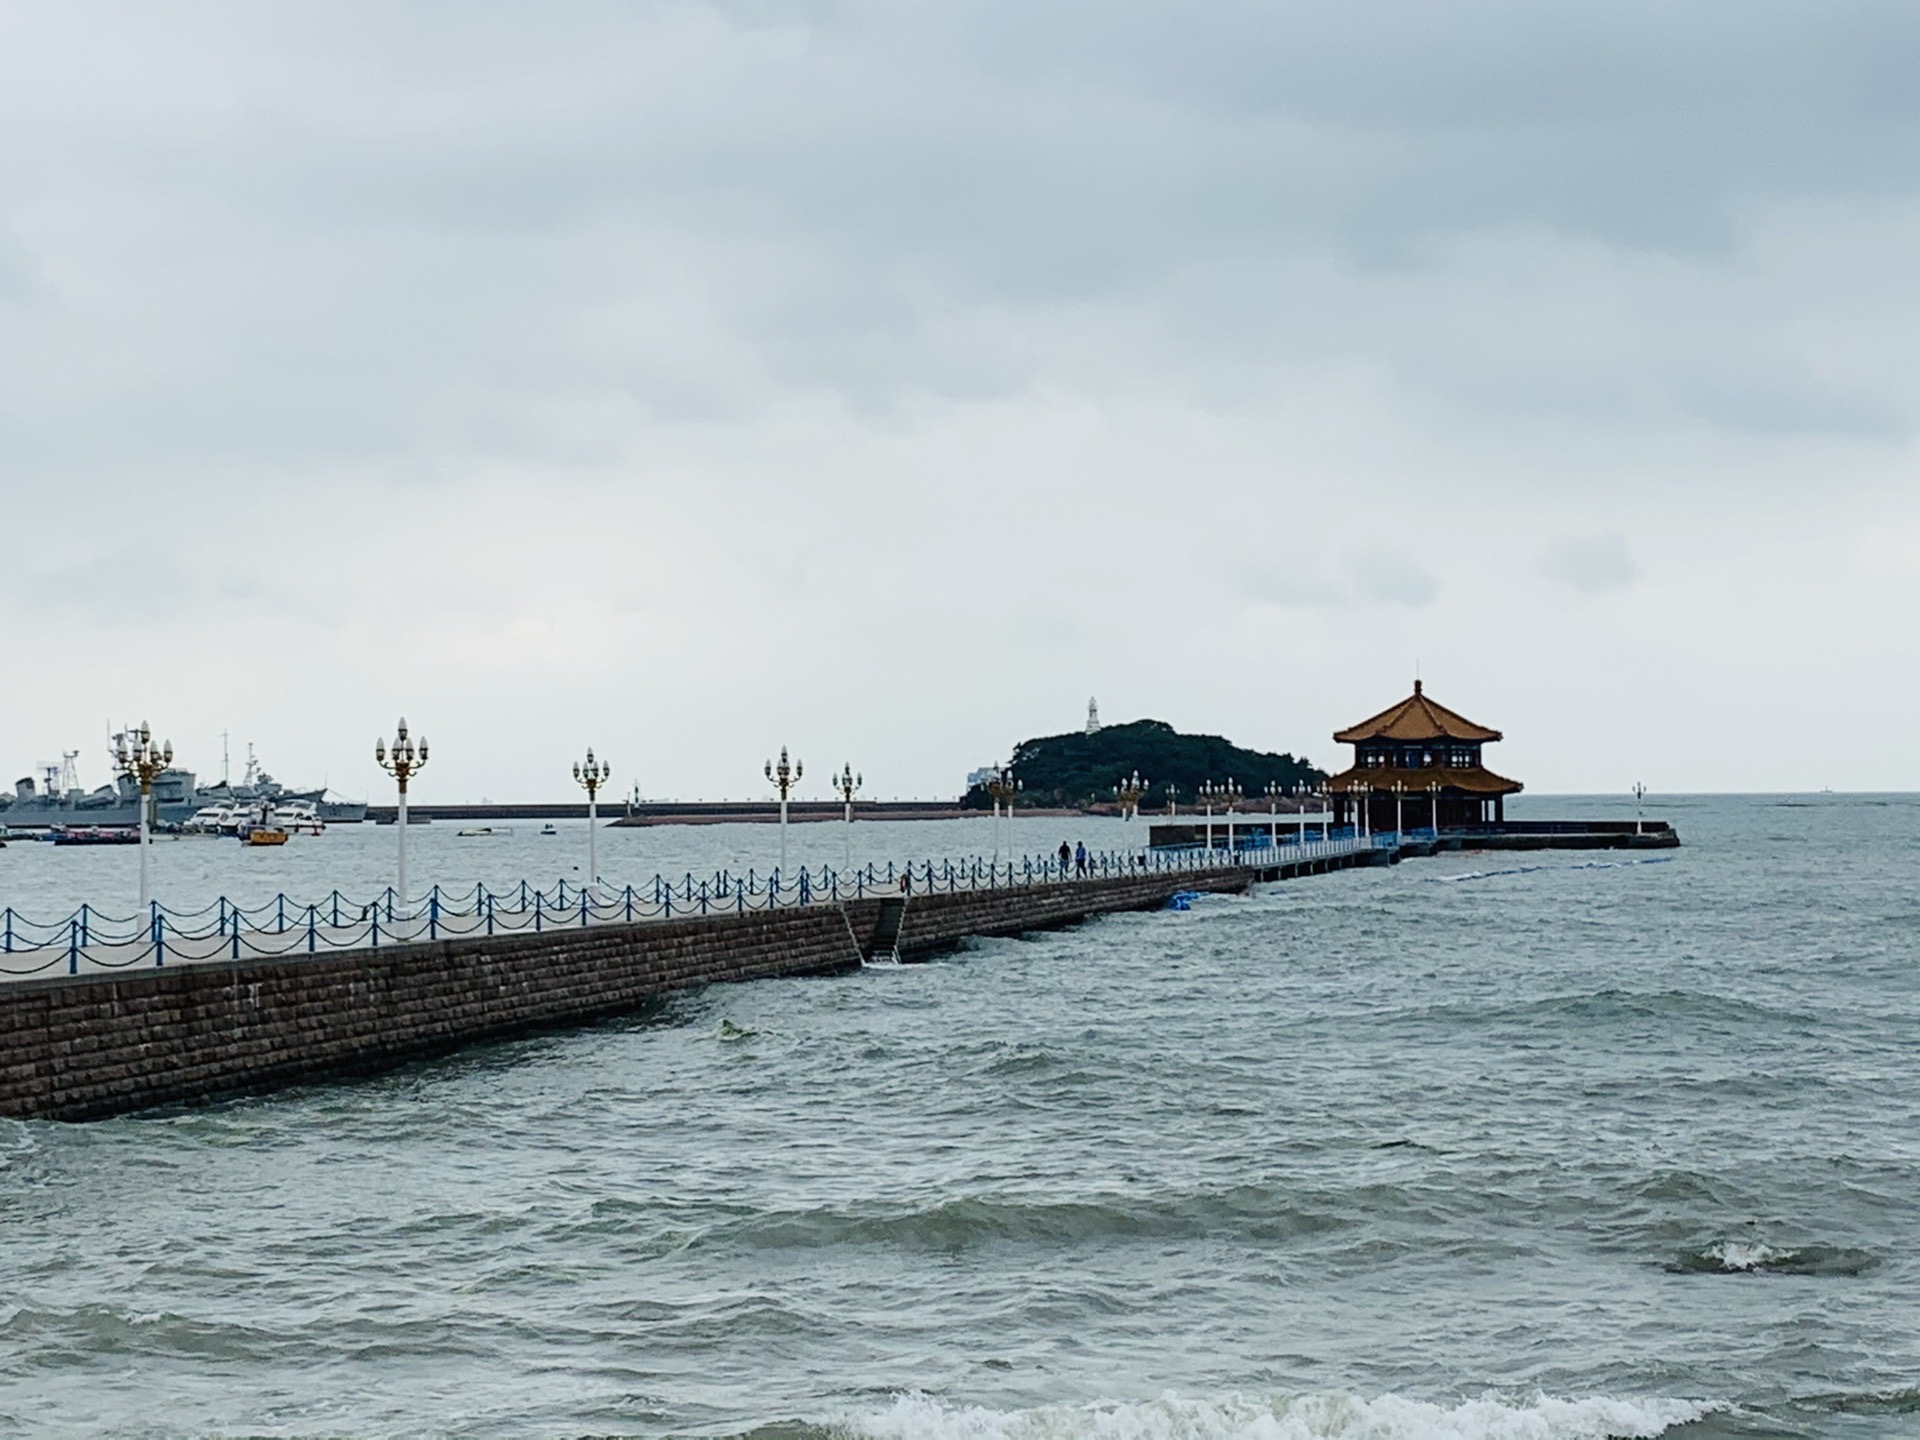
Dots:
pixel 678 812
pixel 82 1046
pixel 1256 829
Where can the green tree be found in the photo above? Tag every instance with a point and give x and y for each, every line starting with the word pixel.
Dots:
pixel 1077 769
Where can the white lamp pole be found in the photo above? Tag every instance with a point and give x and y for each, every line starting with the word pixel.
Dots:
pixel 592 774
pixel 142 761
pixel 401 763
pixel 785 776
pixel 848 784
pixel 1002 786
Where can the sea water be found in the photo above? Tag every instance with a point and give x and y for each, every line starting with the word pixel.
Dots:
pixel 1550 1145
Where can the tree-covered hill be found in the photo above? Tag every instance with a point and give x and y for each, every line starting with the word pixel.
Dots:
pixel 1062 771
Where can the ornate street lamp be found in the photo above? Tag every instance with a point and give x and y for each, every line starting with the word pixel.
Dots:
pixel 784 776
pixel 847 783
pixel 592 774
pixel 1399 802
pixel 1363 818
pixel 1433 801
pixel 142 761
pixel 1002 786
pixel 1173 801
pixel 1128 793
pixel 1274 790
pixel 1230 794
pixel 1209 792
pixel 402 762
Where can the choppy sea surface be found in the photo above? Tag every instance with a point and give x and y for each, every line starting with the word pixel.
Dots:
pixel 1561 1145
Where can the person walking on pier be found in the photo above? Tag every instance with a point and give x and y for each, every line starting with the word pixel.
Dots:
pixel 1066 858
pixel 1080 859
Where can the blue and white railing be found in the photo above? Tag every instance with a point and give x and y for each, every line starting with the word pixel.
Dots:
pixel 91 941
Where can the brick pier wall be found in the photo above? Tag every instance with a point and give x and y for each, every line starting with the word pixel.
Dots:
pixel 84 1048
pixel 937 922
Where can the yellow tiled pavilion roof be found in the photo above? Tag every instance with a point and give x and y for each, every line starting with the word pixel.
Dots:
pixel 1416 718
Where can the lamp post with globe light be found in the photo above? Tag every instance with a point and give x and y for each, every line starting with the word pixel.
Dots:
pixel 1002 787
pixel 592 774
pixel 139 759
pixel 1128 793
pixel 1207 794
pixel 402 761
pixel 847 783
pixel 1274 791
pixel 784 776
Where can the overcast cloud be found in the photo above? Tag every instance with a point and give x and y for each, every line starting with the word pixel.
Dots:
pixel 882 380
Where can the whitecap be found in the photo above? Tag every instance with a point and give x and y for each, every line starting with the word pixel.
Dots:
pixel 1746 1254
pixel 1316 1416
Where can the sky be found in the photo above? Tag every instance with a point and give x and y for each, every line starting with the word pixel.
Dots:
pixel 689 380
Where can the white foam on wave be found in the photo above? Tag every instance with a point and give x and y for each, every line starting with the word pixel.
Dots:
pixel 1324 1416
pixel 1745 1254
pixel 1537 869
pixel 16 1139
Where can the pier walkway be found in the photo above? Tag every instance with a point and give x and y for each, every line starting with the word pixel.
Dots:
pixel 90 942
pixel 119 1022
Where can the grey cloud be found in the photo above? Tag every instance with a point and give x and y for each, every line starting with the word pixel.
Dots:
pixel 1591 563
pixel 346 221
pixel 1392 577
pixel 19 272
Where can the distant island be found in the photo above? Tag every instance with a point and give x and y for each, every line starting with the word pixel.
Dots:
pixel 1081 768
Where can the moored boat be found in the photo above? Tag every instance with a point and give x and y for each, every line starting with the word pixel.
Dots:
pixel 94 835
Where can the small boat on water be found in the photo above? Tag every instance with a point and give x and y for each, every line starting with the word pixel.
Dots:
pixel 93 835
pixel 269 824
pixel 475 831
pixel 548 830
pixel 299 817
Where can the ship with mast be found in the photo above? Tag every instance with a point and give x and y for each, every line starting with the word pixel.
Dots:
pixel 56 798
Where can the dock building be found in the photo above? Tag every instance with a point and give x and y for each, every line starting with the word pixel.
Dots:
pixel 1417 766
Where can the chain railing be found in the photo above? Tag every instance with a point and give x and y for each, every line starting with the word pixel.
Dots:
pixel 89 941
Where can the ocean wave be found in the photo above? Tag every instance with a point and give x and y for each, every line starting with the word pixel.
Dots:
pixel 1536 869
pixel 1755 1257
pixel 1253 1210
pixel 1903 1401
pixel 1322 1416
pixel 16 1140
